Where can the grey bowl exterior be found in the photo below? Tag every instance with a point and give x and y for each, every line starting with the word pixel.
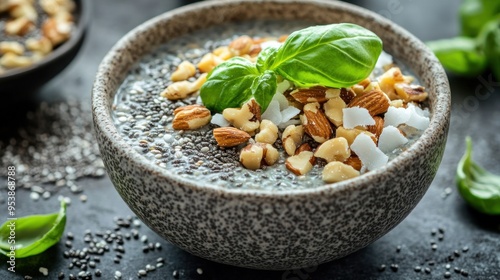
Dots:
pixel 257 228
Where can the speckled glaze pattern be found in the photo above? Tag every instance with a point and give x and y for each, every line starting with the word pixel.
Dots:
pixel 258 228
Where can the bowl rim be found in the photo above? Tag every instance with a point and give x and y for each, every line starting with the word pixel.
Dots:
pixel 84 6
pixel 439 117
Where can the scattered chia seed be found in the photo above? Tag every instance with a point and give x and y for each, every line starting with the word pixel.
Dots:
pixel 394 267
pixel 456 269
pixel 417 269
pixel 465 249
pixel 44 271
pixel 398 249
pixel 199 271
pixel 427 270
pixel 60 275
pixel 448 266
pixel 175 274
pixel 431 263
pixel 464 273
pixel 56 146
pixel 142 272
pixel 447 274
pixel 97 273
pixel 70 236
pixel 27 277
pixel 72 277
pixel 382 268
pixel 434 247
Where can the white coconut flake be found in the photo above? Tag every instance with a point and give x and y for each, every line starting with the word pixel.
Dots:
pixel 288 113
pixel 272 112
pixel 283 86
pixel 383 60
pixel 396 116
pixel 219 120
pixel 283 125
pixel 357 116
pixel 416 120
pixel 390 139
pixel 422 112
pixel 281 99
pixel 369 154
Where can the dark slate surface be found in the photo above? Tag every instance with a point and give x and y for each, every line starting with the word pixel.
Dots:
pixel 476 112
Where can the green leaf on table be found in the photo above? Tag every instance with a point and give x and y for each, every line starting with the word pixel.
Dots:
pixel 490 42
pixel 474 14
pixel 460 55
pixel 480 188
pixel 234 82
pixel 335 55
pixel 32 235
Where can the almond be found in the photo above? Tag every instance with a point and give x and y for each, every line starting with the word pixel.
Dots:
pixel 375 101
pixel 300 164
pixel 315 94
pixel 191 117
pixel 230 136
pixel 347 95
pixel 302 148
pixel 315 123
pixel 377 128
pixel 410 92
pixel 354 161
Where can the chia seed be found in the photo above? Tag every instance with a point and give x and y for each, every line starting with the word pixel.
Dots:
pixel 195 154
pixel 62 129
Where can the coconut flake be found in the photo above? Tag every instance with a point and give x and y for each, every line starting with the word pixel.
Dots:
pixel 371 156
pixel 219 120
pixel 357 116
pixel 396 116
pixel 383 60
pixel 417 120
pixel 272 112
pixel 289 113
pixel 283 125
pixel 390 139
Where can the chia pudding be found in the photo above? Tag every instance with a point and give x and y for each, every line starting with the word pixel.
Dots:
pixel 144 117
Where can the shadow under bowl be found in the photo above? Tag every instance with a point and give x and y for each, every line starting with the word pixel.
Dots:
pixel 18 83
pixel 260 228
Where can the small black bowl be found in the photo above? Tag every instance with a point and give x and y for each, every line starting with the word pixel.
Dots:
pixel 20 82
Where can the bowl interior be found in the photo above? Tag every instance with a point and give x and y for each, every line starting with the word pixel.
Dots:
pixel 148 36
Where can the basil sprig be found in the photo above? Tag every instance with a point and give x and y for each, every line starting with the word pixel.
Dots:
pixel 32 235
pixel 480 188
pixel 335 55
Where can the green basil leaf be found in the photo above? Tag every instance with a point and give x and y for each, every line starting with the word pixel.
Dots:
pixel 236 81
pixel 266 58
pixel 264 87
pixel 335 55
pixel 229 84
pixel 480 188
pixel 490 40
pixel 32 234
pixel 460 55
pixel 474 14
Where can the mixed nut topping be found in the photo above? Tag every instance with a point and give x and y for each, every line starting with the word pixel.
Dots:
pixel 33 28
pixel 347 131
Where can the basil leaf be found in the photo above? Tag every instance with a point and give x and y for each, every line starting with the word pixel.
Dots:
pixel 474 14
pixel 460 55
pixel 335 55
pixel 33 234
pixel 234 82
pixel 264 87
pixel 490 40
pixel 229 84
pixel 478 187
pixel 266 58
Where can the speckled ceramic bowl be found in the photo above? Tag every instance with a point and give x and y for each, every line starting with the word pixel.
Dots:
pixel 258 228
